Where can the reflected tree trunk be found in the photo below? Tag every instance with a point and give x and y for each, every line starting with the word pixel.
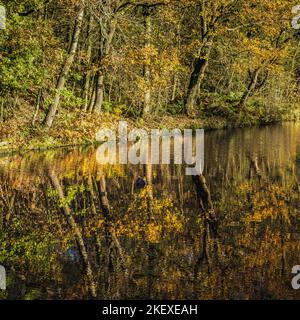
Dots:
pixel 209 235
pixel 107 213
pixel 79 238
pixel 205 202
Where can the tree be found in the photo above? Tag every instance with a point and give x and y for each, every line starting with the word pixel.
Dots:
pixel 66 67
pixel 213 17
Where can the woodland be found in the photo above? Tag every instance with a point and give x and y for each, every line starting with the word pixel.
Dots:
pixel 70 66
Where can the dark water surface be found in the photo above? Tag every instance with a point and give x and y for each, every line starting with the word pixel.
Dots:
pixel 73 229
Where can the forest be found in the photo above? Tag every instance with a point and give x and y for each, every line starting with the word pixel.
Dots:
pixel 74 228
pixel 68 67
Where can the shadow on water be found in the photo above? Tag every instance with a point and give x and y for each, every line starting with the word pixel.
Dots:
pixel 73 229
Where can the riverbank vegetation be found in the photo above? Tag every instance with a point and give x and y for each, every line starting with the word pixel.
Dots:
pixel 69 67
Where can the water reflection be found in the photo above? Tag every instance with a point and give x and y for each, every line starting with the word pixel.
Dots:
pixel 74 229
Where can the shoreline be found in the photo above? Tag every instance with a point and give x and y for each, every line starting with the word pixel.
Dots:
pixel 39 138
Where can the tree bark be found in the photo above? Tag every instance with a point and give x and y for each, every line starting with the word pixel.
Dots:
pixel 105 49
pixel 88 72
pixel 250 88
pixel 99 92
pixel 65 69
pixel 37 108
pixel 147 72
pixel 197 76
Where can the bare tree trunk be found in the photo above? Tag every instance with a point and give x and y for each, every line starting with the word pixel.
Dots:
pixel 104 51
pixel 92 98
pixel 66 68
pixel 99 92
pixel 250 88
pixel 2 108
pixel 197 76
pixel 174 89
pixel 147 72
pixel 88 72
pixel 37 108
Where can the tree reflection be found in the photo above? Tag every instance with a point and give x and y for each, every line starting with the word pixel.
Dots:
pixel 70 228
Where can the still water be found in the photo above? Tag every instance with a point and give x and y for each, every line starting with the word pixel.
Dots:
pixel 73 229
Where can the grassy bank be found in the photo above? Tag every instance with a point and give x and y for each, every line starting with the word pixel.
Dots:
pixel 73 128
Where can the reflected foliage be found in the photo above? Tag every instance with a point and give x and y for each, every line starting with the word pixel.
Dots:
pixel 73 229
